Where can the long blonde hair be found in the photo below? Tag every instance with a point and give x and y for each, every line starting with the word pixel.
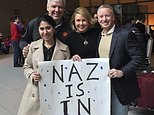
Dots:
pixel 85 13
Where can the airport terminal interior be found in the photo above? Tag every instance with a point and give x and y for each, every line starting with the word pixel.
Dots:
pixel 12 79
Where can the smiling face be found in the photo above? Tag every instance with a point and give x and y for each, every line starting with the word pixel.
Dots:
pixel 46 31
pixel 56 9
pixel 106 18
pixel 81 24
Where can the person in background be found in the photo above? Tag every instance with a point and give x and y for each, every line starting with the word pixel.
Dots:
pixel 47 48
pixel 15 38
pixel 140 23
pixel 22 30
pixel 97 24
pixel 125 56
pixel 83 40
pixel 5 45
pixel 144 30
pixel 56 9
pixel 1 43
pixel 128 22
pixel 1 37
pixel 21 25
pixel 95 16
pixel 142 27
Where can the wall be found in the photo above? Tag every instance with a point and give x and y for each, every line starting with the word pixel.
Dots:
pixel 27 10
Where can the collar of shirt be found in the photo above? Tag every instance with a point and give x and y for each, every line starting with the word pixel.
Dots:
pixel 48 52
pixel 59 24
pixel 109 32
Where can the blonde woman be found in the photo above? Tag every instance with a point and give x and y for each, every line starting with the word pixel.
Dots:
pixel 83 40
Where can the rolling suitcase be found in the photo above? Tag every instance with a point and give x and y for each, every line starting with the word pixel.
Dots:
pixel 146 85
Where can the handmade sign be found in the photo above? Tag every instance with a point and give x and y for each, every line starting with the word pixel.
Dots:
pixel 75 88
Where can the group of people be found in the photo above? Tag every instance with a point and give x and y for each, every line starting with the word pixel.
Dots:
pixel 52 37
pixel 5 44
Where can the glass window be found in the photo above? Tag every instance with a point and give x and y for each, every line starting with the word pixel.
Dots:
pixel 150 19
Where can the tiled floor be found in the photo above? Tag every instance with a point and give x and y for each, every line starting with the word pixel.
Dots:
pixel 13 82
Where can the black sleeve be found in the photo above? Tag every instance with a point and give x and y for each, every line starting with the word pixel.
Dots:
pixel 31 33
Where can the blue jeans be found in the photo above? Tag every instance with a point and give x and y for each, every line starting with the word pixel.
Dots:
pixel 116 107
pixel 17 52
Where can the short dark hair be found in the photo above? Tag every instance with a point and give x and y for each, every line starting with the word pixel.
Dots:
pixel 141 17
pixel 16 17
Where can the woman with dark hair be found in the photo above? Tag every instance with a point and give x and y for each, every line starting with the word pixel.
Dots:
pixel 45 49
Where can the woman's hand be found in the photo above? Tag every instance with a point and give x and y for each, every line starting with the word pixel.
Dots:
pixel 76 58
pixel 36 76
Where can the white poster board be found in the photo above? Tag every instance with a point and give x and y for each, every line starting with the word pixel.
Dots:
pixel 75 88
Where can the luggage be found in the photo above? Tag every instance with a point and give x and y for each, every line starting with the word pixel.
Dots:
pixel 146 85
